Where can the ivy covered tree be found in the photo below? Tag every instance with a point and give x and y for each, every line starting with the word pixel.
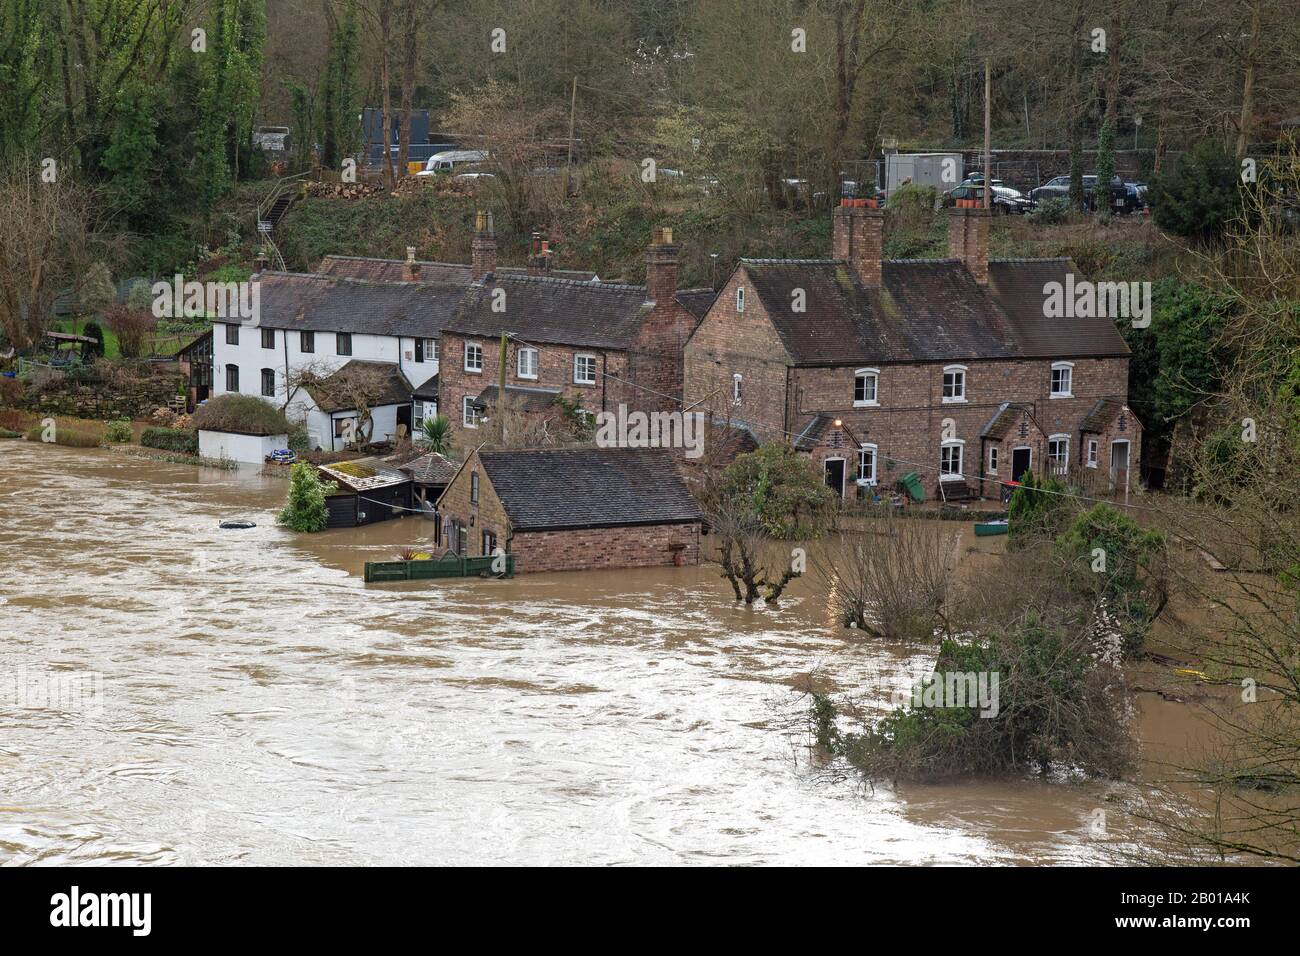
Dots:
pixel 340 129
pixel 306 512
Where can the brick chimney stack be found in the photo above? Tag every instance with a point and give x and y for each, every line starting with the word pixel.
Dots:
pixel 661 267
pixel 968 240
pixel 483 250
pixel 858 237
pixel 412 271
pixel 539 256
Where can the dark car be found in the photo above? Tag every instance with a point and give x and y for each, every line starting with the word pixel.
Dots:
pixel 1125 197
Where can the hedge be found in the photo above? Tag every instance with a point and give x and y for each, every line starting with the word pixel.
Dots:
pixel 245 414
pixel 171 439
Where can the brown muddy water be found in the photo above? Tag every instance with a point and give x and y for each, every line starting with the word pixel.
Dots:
pixel 261 705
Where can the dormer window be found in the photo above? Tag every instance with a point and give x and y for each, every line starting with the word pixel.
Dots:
pixel 865 382
pixel 1062 380
pixel 954 383
pixel 740 298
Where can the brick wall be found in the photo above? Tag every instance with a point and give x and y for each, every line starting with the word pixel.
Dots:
pixel 729 342
pixel 487 515
pixel 586 549
pixel 909 422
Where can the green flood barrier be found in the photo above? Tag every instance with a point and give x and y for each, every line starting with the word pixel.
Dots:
pixel 448 566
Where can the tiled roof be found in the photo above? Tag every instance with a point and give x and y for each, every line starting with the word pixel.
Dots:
pixel 589 487
pixel 1004 419
pixel 393 388
pixel 924 310
pixel 531 399
pixel 810 435
pixel 394 270
pixel 427 390
pixel 430 469
pixel 1102 414
pixel 597 315
pixel 322 303
pixel 696 301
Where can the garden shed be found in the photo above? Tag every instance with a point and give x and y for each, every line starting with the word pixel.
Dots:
pixel 369 490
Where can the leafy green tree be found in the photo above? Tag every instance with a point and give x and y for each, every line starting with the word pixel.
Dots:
pixel 1200 194
pixel 340 127
pixel 132 148
pixel 1037 509
pixel 306 512
pixel 780 490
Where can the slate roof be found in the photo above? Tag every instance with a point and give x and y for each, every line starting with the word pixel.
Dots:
pixel 395 389
pixel 557 488
pixel 531 399
pixel 1101 415
pixel 323 303
pixel 394 270
pixel 430 469
pixel 1000 425
pixel 924 310
pixel 428 390
pixel 597 315
pixel 810 436
pixel 696 301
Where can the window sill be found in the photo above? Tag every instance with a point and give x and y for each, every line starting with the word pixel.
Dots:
pixel 527 378
pixel 587 384
pixel 866 404
pixel 473 371
pixel 1091 464
pixel 1061 395
pixel 954 401
pixel 951 477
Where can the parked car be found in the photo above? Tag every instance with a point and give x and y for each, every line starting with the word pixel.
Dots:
pixel 1006 200
pixel 1125 197
pixel 448 160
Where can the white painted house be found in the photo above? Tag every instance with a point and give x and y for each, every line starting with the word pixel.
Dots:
pixel 325 322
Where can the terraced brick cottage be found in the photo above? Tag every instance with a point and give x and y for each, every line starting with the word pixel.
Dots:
pixel 598 344
pixel 946 367
pixel 570 509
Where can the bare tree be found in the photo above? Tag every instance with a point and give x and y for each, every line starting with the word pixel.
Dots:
pixel 358 388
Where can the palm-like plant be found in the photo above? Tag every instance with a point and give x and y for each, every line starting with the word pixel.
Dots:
pixel 435 434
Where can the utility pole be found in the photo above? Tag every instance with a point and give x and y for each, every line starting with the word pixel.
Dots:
pixel 501 392
pixel 568 169
pixel 988 153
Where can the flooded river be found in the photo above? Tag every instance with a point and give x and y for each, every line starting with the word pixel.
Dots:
pixel 260 705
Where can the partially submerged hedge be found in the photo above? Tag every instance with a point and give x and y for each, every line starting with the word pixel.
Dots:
pixel 171 439
pixel 244 414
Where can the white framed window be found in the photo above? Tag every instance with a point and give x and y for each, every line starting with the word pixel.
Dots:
pixel 950 455
pixel 1092 453
pixel 426 350
pixel 1062 380
pixel 993 459
pixel 468 412
pixel 473 357
pixel 526 363
pixel 1058 453
pixel 740 298
pixel 865 384
pixel 584 370
pixel 417 415
pixel 867 465
pixel 737 388
pixel 954 383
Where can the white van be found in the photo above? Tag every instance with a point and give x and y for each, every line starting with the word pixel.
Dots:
pixel 448 160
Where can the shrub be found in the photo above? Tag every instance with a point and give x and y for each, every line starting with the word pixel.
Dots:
pixel 118 431
pixel 1053 701
pixel 1199 195
pixel 306 512
pixel 15 420
pixel 1038 509
pixel 299 440
pixel 1050 212
pixel 10 433
pixel 131 326
pixel 93 330
pixel 171 439
pixel 64 435
pixel 11 390
pixel 244 414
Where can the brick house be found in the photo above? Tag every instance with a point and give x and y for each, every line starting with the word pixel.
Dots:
pixel 571 509
pixel 947 367
pixel 599 344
